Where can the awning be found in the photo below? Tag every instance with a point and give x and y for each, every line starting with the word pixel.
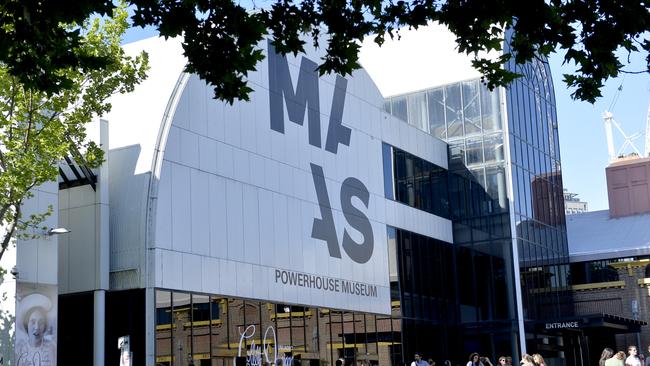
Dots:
pixel 587 324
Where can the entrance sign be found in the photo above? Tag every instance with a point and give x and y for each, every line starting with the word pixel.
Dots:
pixel 562 325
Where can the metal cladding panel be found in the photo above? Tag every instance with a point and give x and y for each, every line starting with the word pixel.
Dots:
pixel 280 198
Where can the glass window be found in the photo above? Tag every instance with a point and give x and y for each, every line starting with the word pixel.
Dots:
pixel 490 109
pixel 163 328
pixel 201 326
pixel 436 104
pixel 398 108
pixel 515 105
pixel 420 184
pixel 493 148
pixel 387 155
pixel 474 151
pixel 417 111
pixel 496 186
pixel 387 106
pixel 456 152
pixel 471 107
pixel 454 111
pixel 181 329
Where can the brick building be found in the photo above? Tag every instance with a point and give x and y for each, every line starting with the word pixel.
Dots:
pixel 610 253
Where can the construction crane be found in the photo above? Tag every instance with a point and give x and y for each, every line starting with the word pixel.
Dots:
pixel 628 139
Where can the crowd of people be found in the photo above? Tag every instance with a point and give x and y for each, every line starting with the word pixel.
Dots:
pixel 633 358
pixel 477 360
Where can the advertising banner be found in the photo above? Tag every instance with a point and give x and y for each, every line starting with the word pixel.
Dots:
pixel 36 324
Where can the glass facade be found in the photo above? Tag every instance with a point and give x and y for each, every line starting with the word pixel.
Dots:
pixel 502 139
pixel 538 193
pixel 417 182
pixel 447 301
pixel 198 329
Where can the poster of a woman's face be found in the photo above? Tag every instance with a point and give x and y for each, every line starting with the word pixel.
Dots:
pixel 36 325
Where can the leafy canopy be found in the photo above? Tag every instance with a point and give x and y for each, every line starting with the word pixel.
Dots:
pixel 42 121
pixel 220 35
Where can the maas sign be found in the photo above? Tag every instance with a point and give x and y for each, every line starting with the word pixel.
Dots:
pixel 306 99
pixel 280 198
pixel 300 97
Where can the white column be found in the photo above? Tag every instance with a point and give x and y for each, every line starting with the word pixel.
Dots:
pixel 103 253
pixel 99 327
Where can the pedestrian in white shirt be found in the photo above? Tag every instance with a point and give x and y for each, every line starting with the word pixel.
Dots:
pixel 632 359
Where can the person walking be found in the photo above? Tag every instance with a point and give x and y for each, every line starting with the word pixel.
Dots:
pixel 474 360
pixel 418 361
pixel 633 358
pixel 527 360
pixel 604 356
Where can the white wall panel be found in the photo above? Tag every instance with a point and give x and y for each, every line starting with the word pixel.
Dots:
pixel 241 163
pixel 172 269
pixel 296 245
pixel 218 226
pixel 232 124
pixel 235 219
pixel 252 226
pixel 192 272
pixel 200 206
pixel 272 175
pixel 245 280
pixel 225 165
pixel 248 125
pixel 172 149
pixel 228 277
pixel 198 98
pixel 215 120
pixel 267 229
pixel 210 275
pixel 256 170
pixel 243 199
pixel 189 148
pixel 181 208
pixel 207 154
pixel 280 230
pixel 164 208
pixel 182 113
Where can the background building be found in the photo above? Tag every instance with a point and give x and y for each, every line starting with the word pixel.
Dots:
pixel 610 252
pixel 573 204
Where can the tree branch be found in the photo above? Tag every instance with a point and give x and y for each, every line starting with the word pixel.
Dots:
pixel 10 233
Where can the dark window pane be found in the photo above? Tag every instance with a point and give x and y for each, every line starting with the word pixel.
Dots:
pixel 387 155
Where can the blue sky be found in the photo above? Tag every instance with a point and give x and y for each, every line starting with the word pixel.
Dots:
pixel 583 146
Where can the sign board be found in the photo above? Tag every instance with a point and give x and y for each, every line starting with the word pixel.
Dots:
pixel 36 324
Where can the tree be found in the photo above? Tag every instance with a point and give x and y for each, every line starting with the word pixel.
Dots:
pixel 38 128
pixel 224 33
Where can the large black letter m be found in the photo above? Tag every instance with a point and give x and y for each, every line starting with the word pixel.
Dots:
pixel 305 97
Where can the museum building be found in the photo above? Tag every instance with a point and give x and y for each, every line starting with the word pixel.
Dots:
pixel 320 220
